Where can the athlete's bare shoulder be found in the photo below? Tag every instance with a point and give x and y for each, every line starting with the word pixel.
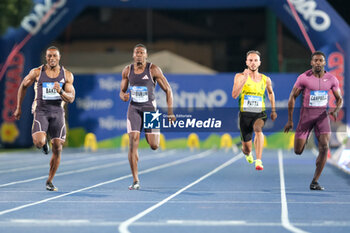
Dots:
pixel 35 72
pixel 69 76
pixel 126 71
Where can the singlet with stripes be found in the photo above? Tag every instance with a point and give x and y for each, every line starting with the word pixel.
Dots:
pixel 46 97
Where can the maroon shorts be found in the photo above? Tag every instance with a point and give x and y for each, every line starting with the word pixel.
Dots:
pixel 311 118
pixel 52 123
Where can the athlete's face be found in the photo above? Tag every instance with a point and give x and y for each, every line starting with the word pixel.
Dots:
pixel 53 57
pixel 318 62
pixel 253 61
pixel 140 55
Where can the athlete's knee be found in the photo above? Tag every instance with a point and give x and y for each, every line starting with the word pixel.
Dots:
pixel 154 145
pixel 257 129
pixel 57 147
pixel 323 148
pixel 39 142
pixel 298 151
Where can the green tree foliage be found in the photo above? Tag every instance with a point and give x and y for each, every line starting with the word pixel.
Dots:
pixel 12 12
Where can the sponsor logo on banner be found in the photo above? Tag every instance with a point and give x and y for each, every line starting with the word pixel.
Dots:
pixel 318 19
pixel 199 99
pixel 33 22
pixel 110 123
pixel 90 104
pixel 109 83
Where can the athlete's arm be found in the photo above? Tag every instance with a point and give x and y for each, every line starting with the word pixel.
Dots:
pixel 291 103
pixel 27 82
pixel 240 80
pixel 339 103
pixel 271 96
pixel 68 92
pixel 124 85
pixel 163 83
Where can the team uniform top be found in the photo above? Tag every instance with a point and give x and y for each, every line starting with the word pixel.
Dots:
pixel 315 90
pixel 46 97
pixel 142 86
pixel 252 97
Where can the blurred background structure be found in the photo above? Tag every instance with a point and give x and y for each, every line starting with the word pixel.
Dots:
pixel 201 43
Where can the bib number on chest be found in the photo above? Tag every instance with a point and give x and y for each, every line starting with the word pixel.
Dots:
pixel 318 98
pixel 49 93
pixel 252 103
pixel 139 94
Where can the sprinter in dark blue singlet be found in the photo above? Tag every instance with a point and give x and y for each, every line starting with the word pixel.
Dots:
pixel 53 87
pixel 142 77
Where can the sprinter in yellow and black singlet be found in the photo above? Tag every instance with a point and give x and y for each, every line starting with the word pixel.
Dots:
pixel 250 87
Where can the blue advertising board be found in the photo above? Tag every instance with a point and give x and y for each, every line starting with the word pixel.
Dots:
pixel 20 48
pixel 98 108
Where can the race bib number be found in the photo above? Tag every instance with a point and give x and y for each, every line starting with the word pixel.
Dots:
pixel 318 98
pixel 139 94
pixel 252 103
pixel 49 93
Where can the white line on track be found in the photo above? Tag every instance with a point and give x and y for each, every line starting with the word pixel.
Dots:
pixel 87 169
pixel 170 222
pixel 176 162
pixel 73 161
pixel 186 202
pixel 284 212
pixel 123 227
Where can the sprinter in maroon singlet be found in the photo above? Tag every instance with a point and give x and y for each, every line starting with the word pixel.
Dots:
pixel 315 85
pixel 53 84
pixel 142 77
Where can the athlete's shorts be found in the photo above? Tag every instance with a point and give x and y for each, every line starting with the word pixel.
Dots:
pixel 51 122
pixel 246 123
pixel 135 118
pixel 313 118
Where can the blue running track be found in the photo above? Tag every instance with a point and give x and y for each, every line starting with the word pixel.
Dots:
pixel 181 191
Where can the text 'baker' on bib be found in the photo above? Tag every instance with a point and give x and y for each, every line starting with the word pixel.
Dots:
pixel 318 98
pixel 139 94
pixel 50 93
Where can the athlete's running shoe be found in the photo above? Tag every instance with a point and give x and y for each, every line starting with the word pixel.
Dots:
pixel 50 186
pixel 249 158
pixel 316 186
pixel 46 148
pixel 258 165
pixel 135 186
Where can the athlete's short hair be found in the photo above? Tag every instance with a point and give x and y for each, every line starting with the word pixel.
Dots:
pixel 253 51
pixel 140 45
pixel 55 48
pixel 318 53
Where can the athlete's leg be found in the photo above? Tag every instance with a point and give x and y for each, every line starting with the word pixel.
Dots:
pixel 259 137
pixel 39 139
pixel 153 140
pixel 323 146
pixel 57 145
pixel 299 145
pixel 247 147
pixel 133 156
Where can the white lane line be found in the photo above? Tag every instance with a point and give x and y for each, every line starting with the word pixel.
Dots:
pixel 123 227
pixel 284 212
pixel 184 202
pixel 73 161
pixel 171 222
pixel 176 162
pixel 86 169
